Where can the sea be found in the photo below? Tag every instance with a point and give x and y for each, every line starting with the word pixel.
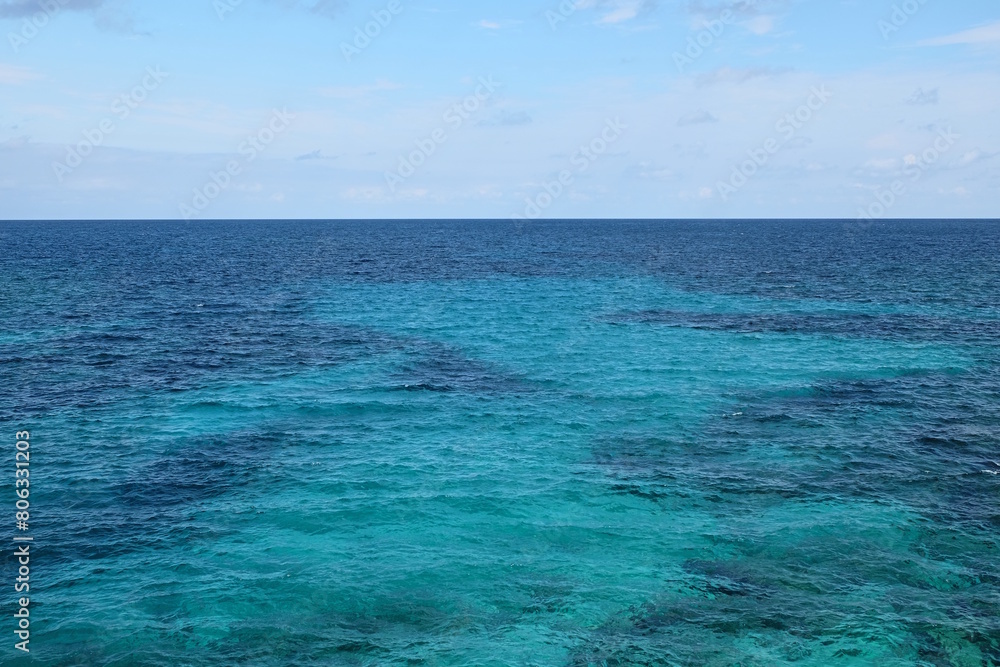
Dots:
pixel 497 443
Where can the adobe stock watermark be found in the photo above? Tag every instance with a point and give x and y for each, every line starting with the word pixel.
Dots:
pixel 915 165
pixel 219 181
pixel 23 541
pixel 364 36
pixel 224 7
pixel 584 157
pixel 787 127
pixel 562 13
pixel 714 29
pixel 121 108
pixel 33 24
pixel 900 16
pixel 454 117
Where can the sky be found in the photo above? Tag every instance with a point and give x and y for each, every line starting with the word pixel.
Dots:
pixel 530 109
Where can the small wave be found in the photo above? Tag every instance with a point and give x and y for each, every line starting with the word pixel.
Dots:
pixel 423 386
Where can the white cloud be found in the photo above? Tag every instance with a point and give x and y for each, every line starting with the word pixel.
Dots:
pixel 972 157
pixel 626 9
pixel 12 75
pixel 616 11
pixel 760 25
pixel 987 34
pixel 648 170
pixel 21 8
pixel 696 118
pixel 358 92
pixel 886 141
pixel 737 75
pixel 488 24
pixel 882 164
pixel 114 15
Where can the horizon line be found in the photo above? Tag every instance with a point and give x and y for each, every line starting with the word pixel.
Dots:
pixel 506 220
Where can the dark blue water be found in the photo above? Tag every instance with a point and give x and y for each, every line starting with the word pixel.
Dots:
pixel 475 443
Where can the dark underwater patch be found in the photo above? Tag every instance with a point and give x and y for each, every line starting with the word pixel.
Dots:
pixel 919 442
pixel 891 326
pixel 907 439
pixel 439 368
pixel 178 352
pixel 730 578
pixel 154 503
pixel 185 478
pixel 198 470
pixel 791 600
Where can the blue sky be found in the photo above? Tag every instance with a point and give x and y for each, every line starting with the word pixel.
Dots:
pixel 488 109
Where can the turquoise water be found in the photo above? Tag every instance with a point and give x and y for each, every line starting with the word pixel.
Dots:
pixel 469 444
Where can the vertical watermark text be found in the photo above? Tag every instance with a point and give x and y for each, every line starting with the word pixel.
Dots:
pixel 22 540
